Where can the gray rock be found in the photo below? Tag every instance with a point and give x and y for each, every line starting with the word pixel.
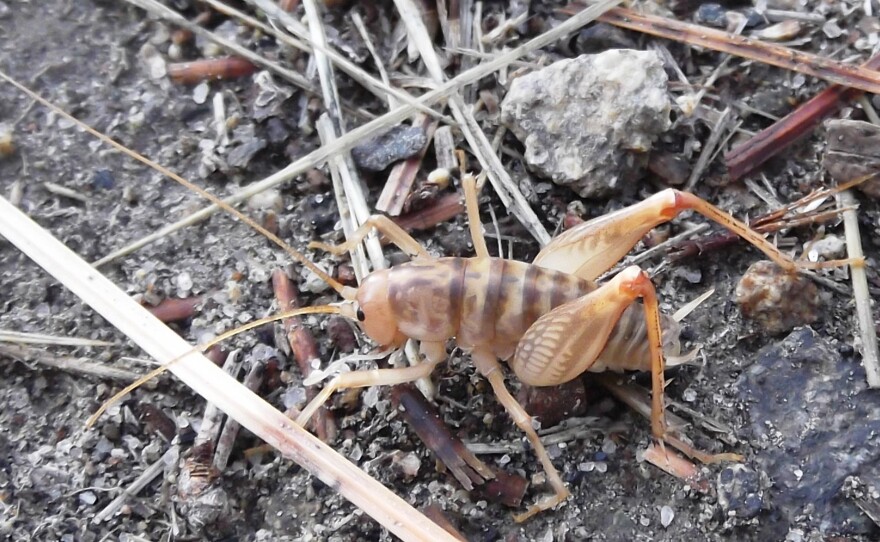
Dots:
pixel 588 122
pixel 396 144
pixel 815 424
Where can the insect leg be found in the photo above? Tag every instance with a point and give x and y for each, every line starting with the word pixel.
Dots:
pixel 386 227
pixel 591 248
pixel 434 352
pixel 488 365
pixel 568 340
pixel 471 201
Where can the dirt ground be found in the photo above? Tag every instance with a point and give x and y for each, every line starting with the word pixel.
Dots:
pixel 92 59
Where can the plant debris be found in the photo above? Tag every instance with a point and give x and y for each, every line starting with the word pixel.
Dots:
pixel 276 95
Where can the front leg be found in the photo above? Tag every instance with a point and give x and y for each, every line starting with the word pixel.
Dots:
pixel 386 227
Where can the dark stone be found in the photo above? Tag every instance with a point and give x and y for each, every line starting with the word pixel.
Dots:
pixel 739 491
pixel 813 422
pixel 396 144
pixel 711 15
pixel 103 179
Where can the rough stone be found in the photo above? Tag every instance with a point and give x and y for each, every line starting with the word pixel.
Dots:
pixel 776 300
pixel 814 423
pixel 588 122
pixel 397 144
pixel 740 492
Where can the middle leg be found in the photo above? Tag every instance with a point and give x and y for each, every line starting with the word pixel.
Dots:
pixel 433 352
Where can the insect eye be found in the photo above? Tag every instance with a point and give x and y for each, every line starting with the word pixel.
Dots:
pixel 360 315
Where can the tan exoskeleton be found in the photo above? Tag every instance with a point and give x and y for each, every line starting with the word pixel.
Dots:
pixel 549 320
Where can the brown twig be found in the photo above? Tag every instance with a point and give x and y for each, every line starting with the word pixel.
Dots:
pixel 772 140
pixel 174 309
pixel 304 349
pixel 210 69
pixel 471 473
pixel 830 70
pixel 443 209
pixel 671 463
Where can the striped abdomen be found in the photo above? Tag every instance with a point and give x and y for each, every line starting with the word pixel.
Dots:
pixel 477 301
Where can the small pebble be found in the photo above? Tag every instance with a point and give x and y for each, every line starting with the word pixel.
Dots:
pixel 828 248
pixel 268 200
pixel 103 179
pixel 88 497
pixel 409 464
pixel 666 515
pixel 200 93
pixel 832 30
pixel 184 283
pixel 711 15
pixel 739 491
pixel 777 301
pixel 609 446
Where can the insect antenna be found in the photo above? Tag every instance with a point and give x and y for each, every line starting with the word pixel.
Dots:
pixel 320 309
pixel 346 292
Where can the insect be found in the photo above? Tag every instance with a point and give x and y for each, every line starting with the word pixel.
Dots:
pixel 548 319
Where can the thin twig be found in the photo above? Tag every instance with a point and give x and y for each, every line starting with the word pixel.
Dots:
pixel 149 474
pixel 226 441
pixel 381 89
pixel 68 364
pixel 772 140
pixel 718 130
pixel 21 337
pixel 400 181
pixel 828 69
pixel 342 169
pixel 304 348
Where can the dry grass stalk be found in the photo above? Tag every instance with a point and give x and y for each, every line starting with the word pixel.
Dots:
pixel 382 89
pixel 168 14
pixel 504 185
pixel 213 383
pixel 864 314
pixel 347 185
pixel 27 355
pixel 366 131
